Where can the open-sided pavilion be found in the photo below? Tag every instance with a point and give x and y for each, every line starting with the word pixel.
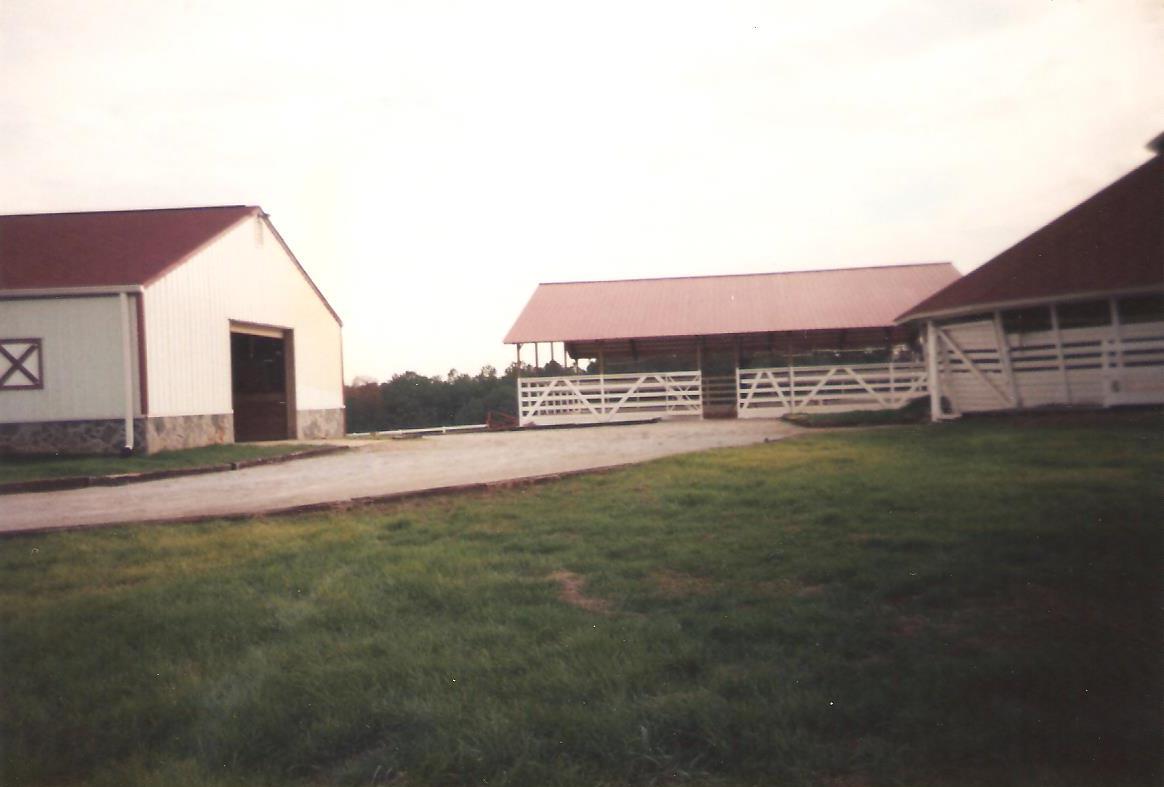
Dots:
pixel 752 345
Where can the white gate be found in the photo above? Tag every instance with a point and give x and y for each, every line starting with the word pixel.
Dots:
pixel 588 399
pixel 768 393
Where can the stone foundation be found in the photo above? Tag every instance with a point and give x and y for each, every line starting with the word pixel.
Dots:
pixel 150 435
pixel 320 424
pixel 175 432
pixel 107 436
pixel 97 436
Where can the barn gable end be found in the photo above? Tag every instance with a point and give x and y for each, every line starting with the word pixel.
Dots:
pixel 245 281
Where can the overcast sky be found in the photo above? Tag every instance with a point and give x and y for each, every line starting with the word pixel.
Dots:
pixel 430 162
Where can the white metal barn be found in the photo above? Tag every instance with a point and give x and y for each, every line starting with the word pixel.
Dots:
pixel 1070 315
pixel 155 330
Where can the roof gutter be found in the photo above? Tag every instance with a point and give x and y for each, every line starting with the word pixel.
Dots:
pixel 990 306
pixel 72 292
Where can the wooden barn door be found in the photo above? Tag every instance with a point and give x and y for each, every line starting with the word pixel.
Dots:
pixel 262 375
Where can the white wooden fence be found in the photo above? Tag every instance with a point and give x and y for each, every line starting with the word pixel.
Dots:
pixel 760 393
pixel 604 398
pixel 983 368
pixel 768 393
pixel 980 367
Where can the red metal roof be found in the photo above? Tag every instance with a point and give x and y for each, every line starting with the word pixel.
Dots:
pixel 1113 241
pixel 710 305
pixel 128 247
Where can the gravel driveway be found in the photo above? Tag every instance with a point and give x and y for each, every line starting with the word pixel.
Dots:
pixel 379 468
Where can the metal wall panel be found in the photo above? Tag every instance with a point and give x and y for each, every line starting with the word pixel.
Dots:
pixel 80 359
pixel 244 276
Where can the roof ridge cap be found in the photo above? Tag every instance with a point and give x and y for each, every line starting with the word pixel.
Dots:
pixel 763 273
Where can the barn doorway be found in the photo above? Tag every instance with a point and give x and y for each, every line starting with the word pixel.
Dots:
pixel 262 389
pixel 718 376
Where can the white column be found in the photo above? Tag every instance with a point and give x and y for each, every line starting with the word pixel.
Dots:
pixel 602 379
pixel 932 371
pixel 517 381
pixel 1117 331
pixel 1059 354
pixel 1004 359
pixel 791 386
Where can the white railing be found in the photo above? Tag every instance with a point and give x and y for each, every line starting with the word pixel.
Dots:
pixel 611 397
pixel 1100 365
pixel 767 393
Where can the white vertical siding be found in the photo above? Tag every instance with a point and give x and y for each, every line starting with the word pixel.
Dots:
pixel 245 276
pixel 1075 366
pixel 80 359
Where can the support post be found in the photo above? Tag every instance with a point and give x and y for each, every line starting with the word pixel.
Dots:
pixel 931 342
pixel 699 368
pixel 537 364
pixel 517 382
pixel 602 378
pixel 1117 331
pixel 1004 359
pixel 888 334
pixel 738 352
pixel 1059 354
pixel 791 386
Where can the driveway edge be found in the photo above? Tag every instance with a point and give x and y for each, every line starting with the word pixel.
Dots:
pixel 336 506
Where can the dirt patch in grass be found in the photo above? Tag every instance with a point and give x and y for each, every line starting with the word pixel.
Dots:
pixel 676 584
pixel 571 593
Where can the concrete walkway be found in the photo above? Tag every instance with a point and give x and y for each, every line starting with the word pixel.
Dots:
pixel 378 468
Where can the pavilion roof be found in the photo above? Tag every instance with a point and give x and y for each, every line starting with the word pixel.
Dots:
pixel 839 299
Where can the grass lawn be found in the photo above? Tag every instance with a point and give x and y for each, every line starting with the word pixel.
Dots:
pixel 916 412
pixel 28 468
pixel 975 603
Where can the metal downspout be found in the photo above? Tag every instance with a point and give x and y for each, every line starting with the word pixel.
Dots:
pixel 126 371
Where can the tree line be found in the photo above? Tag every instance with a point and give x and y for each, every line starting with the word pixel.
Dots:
pixel 413 401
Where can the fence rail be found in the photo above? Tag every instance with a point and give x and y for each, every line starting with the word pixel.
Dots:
pixel 604 398
pixel 767 393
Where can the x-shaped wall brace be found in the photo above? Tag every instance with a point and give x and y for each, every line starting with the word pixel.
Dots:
pixel 19 363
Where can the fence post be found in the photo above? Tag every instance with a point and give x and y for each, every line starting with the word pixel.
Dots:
pixel 791 386
pixel 520 403
pixel 932 371
pixel 602 380
pixel 1117 332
